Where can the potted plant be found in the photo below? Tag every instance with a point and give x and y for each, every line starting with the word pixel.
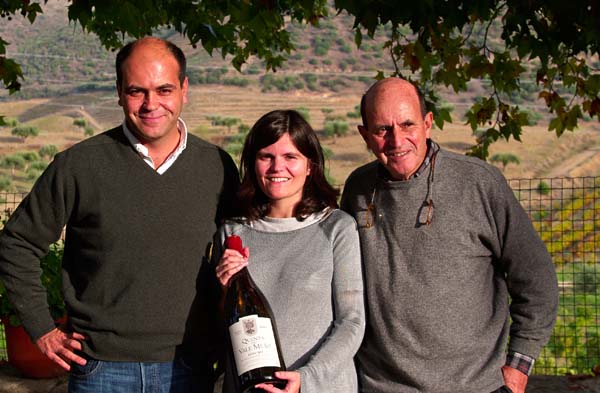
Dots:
pixel 22 353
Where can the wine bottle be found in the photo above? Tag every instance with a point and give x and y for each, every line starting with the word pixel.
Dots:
pixel 252 332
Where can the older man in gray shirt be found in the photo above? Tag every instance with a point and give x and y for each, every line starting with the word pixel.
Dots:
pixel 445 244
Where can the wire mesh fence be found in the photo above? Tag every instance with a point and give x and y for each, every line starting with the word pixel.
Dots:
pixel 8 203
pixel 566 214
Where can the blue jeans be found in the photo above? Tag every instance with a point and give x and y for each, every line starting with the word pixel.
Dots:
pixel 99 376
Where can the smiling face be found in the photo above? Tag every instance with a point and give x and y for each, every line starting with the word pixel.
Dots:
pixel 396 130
pixel 151 94
pixel 281 171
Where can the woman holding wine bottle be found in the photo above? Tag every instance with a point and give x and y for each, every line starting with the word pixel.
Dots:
pixel 302 253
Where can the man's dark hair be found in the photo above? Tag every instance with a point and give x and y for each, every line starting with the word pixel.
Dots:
pixel 363 102
pixel 317 193
pixel 125 51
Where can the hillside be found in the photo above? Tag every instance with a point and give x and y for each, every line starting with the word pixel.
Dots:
pixel 57 58
pixel 70 78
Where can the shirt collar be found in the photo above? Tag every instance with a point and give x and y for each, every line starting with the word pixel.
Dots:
pixel 143 150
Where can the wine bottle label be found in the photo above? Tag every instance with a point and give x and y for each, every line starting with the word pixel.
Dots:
pixel 253 343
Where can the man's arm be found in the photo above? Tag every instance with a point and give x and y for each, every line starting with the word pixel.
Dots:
pixel 532 285
pixel 26 237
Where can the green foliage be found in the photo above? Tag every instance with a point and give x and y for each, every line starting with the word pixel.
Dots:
pixel 14 161
pixel 32 173
pixel 48 151
pixel 505 159
pixel 235 143
pixel 206 76
pixel 243 129
pixel 8 122
pixel 29 156
pixel 304 111
pixel 5 183
pixel 524 50
pixel 585 279
pixel 10 71
pixel 80 122
pixel 25 132
pixel 321 46
pixel 237 29
pixel 51 278
pixel 234 149
pixel 310 80
pixel 282 83
pixel 236 81
pixel 354 114
pixel 88 131
pixel 452 53
pixel 333 84
pixel 543 188
pixel 223 121
pixel 336 128
pixel 573 347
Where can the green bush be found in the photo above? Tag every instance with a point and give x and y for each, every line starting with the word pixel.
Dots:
pixel 5 182
pixel 336 128
pixel 8 122
pixel 236 81
pixel 48 151
pixel 543 188
pixel 283 83
pixel 355 114
pixel 311 81
pixel 14 161
pixel 321 46
pixel 29 156
pixel 305 112
pixel 80 122
pixel 25 132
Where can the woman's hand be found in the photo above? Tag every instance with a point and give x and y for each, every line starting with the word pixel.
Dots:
pixel 230 263
pixel 292 386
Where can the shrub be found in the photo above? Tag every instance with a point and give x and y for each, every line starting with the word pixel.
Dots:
pixel 336 128
pixel 236 81
pixel 5 183
pixel 25 132
pixel 8 122
pixel 543 188
pixel 355 114
pixel 48 151
pixel 29 156
pixel 305 112
pixel 80 122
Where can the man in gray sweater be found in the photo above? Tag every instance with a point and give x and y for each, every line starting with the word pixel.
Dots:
pixel 453 268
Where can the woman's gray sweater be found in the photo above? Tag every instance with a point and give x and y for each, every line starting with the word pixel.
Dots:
pixel 310 273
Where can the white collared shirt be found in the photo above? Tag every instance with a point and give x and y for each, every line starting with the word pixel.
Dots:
pixel 143 150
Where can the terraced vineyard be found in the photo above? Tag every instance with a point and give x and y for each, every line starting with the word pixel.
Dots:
pixel 566 214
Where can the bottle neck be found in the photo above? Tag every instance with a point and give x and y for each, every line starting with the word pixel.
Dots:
pixel 242 277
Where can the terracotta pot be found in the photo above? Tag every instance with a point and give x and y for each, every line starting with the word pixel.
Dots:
pixel 26 357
